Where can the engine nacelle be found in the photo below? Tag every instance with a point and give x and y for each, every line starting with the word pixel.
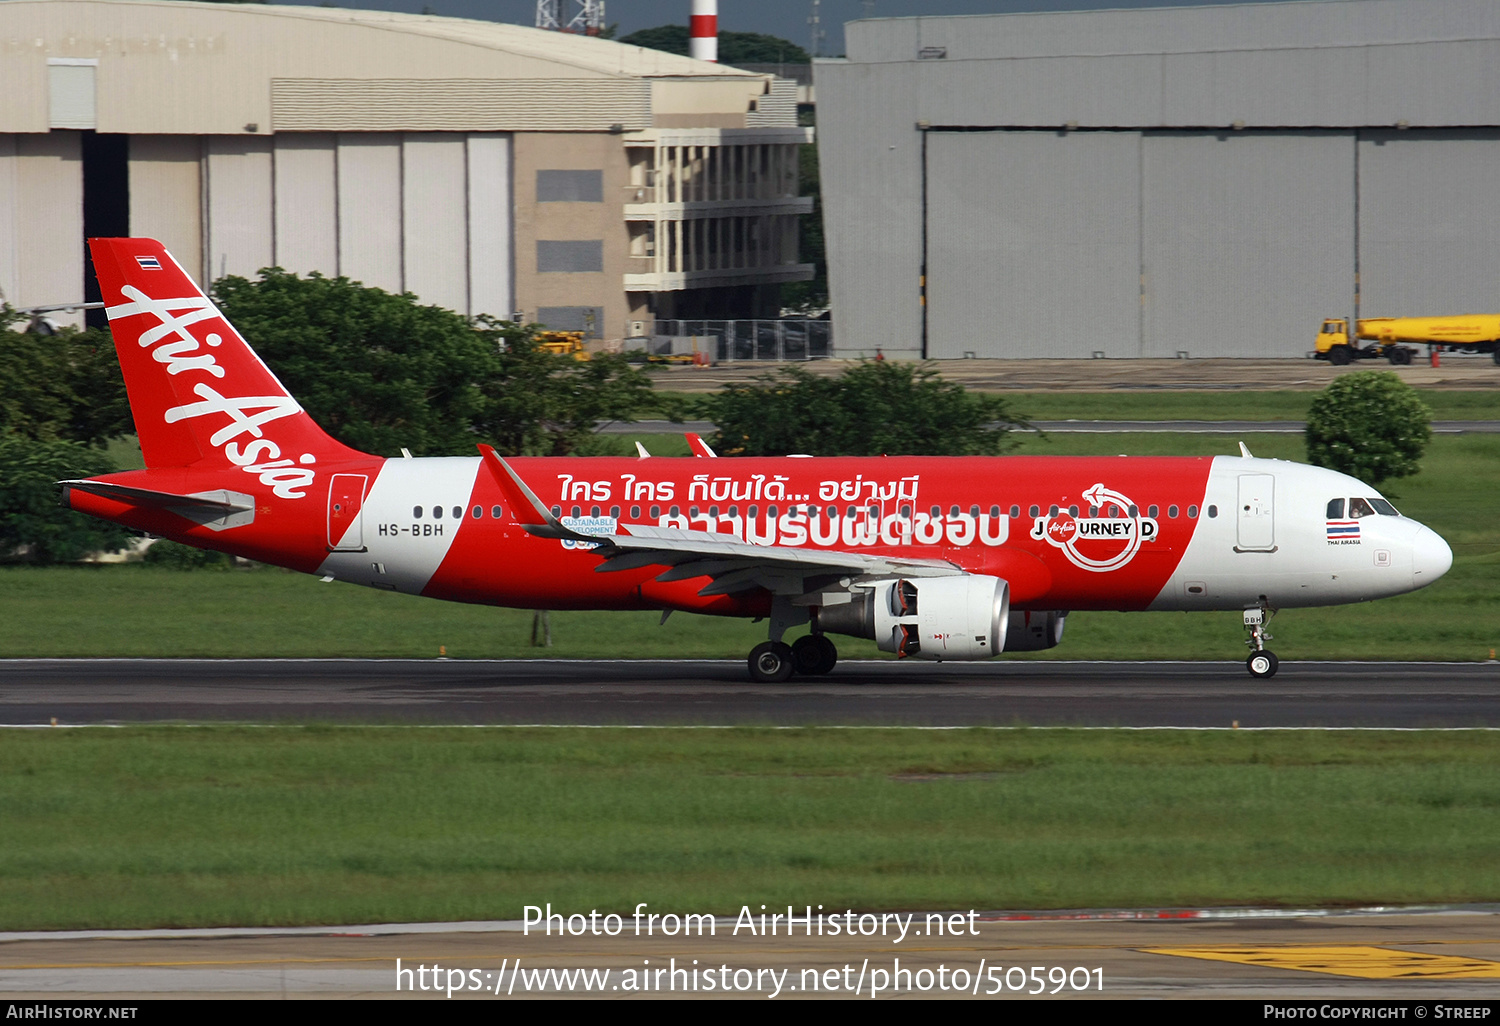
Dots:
pixel 1034 630
pixel 928 617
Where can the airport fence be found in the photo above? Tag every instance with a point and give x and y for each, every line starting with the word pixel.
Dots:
pixel 729 341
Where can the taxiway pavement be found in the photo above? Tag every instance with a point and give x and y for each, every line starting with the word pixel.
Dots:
pixel 1451 956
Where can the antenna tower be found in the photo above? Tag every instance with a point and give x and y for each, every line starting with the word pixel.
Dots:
pixel 816 30
pixel 585 17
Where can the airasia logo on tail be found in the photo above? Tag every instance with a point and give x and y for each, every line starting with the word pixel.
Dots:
pixel 1112 541
pixel 171 343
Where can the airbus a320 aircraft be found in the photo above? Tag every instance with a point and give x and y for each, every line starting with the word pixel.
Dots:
pixel 933 558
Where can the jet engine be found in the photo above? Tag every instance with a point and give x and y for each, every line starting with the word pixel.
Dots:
pixel 1033 630
pixel 927 617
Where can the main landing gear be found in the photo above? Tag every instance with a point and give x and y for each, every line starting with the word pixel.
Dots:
pixel 1262 662
pixel 772 662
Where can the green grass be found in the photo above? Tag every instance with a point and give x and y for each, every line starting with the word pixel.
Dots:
pixel 146 827
pixel 145 611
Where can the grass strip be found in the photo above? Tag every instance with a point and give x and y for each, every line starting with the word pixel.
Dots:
pixel 157 827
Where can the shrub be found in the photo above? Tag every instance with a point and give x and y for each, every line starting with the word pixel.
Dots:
pixel 1370 425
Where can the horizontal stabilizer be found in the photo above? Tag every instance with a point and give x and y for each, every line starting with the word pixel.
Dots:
pixel 216 510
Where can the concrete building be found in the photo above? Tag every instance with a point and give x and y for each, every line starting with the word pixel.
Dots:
pixel 487 168
pixel 1208 181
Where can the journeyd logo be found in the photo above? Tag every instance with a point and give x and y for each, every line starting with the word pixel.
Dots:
pixel 1112 541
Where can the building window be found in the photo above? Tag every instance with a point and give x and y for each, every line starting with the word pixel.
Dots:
pixel 570 186
pixel 569 256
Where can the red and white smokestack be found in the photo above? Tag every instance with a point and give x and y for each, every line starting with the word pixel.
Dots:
pixel 703 31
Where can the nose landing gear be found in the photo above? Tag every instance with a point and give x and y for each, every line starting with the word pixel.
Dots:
pixel 1261 662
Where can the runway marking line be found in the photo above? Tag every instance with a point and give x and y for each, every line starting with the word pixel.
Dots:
pixel 1364 961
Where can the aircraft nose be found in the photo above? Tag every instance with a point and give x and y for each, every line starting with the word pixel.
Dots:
pixel 1430 557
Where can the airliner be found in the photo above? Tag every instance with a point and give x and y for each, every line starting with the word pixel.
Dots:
pixel 933 558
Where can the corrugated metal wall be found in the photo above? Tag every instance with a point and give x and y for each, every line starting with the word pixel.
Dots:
pixel 1033 244
pixel 369 167
pixel 307 220
pixel 166 195
pixel 1429 222
pixel 491 234
pixel 1246 117
pixel 434 218
pixel 1248 240
pixel 427 213
pixel 238 192
pixel 41 221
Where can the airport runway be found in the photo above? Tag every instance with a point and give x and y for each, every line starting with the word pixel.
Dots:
pixel 706 692
pixel 1449 957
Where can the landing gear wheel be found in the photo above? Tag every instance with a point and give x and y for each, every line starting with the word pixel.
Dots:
pixel 1262 664
pixel 1339 356
pixel 814 655
pixel 771 662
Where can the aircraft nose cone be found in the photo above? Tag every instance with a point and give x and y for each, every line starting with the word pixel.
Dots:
pixel 1430 557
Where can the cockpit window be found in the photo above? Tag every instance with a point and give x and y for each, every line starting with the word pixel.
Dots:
pixel 1360 508
pixel 1384 508
pixel 1335 509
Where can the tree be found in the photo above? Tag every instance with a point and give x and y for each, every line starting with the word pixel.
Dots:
pixel 1370 425
pixel 876 407
pixel 63 386
pixel 542 403
pixel 32 527
pixel 734 47
pixel 381 372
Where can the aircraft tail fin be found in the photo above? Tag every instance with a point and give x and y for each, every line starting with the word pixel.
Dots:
pixel 198 392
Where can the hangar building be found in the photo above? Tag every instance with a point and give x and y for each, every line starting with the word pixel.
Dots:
pixel 488 168
pixel 1208 181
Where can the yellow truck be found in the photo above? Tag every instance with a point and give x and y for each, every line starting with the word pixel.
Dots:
pixel 563 343
pixel 1475 333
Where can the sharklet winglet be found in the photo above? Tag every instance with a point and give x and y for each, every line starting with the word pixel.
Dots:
pixel 520 497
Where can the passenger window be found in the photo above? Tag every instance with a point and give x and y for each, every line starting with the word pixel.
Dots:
pixel 495 512
pixel 1171 512
pixel 557 511
pixel 1360 508
pixel 458 512
pixel 1036 511
pixel 1384 508
pixel 655 512
pixel 1213 511
pixel 614 511
pixel 1073 510
pixel 478 512
pixel 577 512
pixel 416 512
pixel 1015 512
pixel 437 512
pixel 1335 509
pixel 1152 511
pixel 994 512
pixel 1192 512
pixel 635 512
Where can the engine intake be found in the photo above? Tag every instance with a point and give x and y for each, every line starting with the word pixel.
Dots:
pixel 930 618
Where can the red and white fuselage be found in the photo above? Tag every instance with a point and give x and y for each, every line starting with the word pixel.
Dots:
pixel 235 464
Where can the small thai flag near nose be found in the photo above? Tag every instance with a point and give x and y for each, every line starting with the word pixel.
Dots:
pixel 149 263
pixel 1341 529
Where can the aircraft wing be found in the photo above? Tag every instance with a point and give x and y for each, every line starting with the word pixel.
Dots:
pixel 734 566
